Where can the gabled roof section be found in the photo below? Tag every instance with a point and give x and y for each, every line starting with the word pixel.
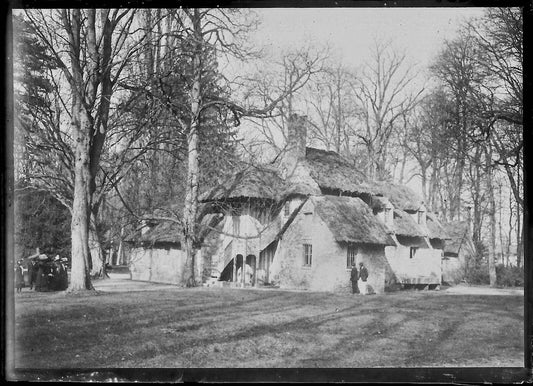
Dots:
pixel 327 169
pixel 459 238
pixel 435 228
pixel 331 171
pixel 405 225
pixel 400 196
pixel 351 220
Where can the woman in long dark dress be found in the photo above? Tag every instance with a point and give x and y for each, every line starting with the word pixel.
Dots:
pixel 19 277
pixel 40 277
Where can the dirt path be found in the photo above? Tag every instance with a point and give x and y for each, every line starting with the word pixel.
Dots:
pixel 482 290
pixel 123 283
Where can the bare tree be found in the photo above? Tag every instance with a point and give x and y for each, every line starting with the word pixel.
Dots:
pixel 91 49
pixel 332 108
pixel 384 94
pixel 192 89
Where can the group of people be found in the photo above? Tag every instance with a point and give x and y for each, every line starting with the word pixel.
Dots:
pixel 43 274
pixel 358 279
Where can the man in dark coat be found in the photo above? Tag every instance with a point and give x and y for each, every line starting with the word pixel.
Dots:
pixel 62 275
pixel 354 276
pixel 363 276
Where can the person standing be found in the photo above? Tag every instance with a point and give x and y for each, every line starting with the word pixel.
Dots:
pixel 32 272
pixel 363 276
pixel 63 275
pixel 354 277
pixel 19 277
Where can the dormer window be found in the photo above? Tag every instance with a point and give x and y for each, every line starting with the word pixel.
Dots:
pixel 422 215
pixel 388 214
pixel 287 209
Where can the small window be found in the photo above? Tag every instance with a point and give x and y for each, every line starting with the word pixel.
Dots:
pixel 308 255
pixel 412 252
pixel 388 218
pixel 351 256
pixel 287 209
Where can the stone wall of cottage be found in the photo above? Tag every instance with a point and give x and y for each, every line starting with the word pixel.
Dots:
pixel 452 269
pixel 423 268
pixel 328 271
pixel 253 223
pixel 161 265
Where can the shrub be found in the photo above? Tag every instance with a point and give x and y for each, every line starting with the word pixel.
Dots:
pixel 509 276
pixel 477 274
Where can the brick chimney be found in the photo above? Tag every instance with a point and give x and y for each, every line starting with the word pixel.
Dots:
pixel 292 169
pixel 297 136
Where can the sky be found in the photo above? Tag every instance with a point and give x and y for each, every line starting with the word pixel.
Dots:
pixel 351 31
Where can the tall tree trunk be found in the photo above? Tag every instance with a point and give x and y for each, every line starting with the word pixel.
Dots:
pixel 423 173
pixel 96 251
pixel 120 252
pixel 191 197
pixel 519 234
pixel 492 218
pixel 80 278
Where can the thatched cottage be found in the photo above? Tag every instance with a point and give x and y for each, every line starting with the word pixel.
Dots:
pixel 302 222
pixel 457 250
pixel 155 253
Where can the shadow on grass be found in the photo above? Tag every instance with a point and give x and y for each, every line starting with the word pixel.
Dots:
pixel 309 328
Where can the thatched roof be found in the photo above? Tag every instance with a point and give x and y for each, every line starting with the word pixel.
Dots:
pixel 351 220
pixel 331 171
pixel 405 225
pixel 379 202
pixel 168 232
pixel 257 182
pixel 400 196
pixel 458 234
pixel 164 232
pixel 435 228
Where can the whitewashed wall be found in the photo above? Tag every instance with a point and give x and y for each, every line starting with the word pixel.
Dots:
pixel 424 268
pixel 328 271
pixel 161 265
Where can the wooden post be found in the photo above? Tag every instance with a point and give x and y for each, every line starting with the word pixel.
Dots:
pixel 243 276
pixel 234 278
pixel 255 272
pixel 267 257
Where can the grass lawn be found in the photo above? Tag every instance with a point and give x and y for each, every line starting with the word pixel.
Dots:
pixel 224 327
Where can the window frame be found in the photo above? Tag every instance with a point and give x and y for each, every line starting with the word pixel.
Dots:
pixel 307 254
pixel 412 252
pixel 351 255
